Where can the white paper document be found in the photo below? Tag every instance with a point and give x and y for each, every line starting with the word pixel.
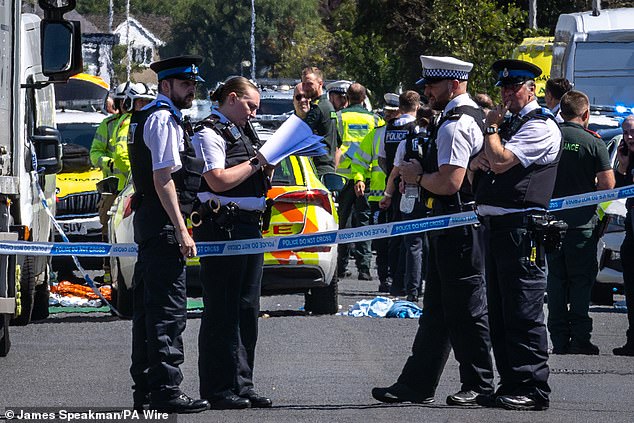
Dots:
pixel 293 137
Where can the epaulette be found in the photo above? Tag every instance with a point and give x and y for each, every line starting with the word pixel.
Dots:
pixel 543 113
pixel 591 132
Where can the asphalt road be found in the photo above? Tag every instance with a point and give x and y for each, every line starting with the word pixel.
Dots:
pixel 316 369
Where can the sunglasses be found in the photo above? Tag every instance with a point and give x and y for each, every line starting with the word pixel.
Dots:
pixel 300 97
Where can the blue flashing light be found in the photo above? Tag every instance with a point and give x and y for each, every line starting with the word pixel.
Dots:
pixel 621 109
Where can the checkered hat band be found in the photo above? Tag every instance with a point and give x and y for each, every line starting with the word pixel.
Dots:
pixel 445 73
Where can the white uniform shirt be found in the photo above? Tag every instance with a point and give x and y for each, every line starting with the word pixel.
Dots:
pixel 538 141
pixel 400 121
pixel 211 147
pixel 557 112
pixel 460 139
pixel 163 136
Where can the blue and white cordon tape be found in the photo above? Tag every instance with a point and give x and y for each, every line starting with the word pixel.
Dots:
pixel 295 242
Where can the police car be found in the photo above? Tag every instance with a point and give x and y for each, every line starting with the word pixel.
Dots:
pixel 276 105
pixel 302 205
pixel 76 193
pixel 612 213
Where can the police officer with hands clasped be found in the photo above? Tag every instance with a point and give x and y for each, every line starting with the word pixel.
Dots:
pixel 166 177
pixel 513 186
pixel 454 302
pixel 235 181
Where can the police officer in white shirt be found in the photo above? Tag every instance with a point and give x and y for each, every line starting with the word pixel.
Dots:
pixel 514 183
pixel 454 303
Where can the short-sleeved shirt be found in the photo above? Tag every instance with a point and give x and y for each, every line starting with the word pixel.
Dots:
pixel 583 156
pixel 459 140
pixel 164 136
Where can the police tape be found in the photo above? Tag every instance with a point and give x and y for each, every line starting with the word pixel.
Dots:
pixel 303 241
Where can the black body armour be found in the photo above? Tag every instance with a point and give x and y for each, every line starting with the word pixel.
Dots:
pixel 393 136
pixel 186 179
pixel 519 187
pixel 240 146
pixel 446 204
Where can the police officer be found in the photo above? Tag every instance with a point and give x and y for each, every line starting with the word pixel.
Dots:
pixel 166 177
pixel 398 131
pixel 337 94
pixel 624 175
pixel 584 167
pixel 232 202
pixel 454 304
pixel 515 180
pixel 321 118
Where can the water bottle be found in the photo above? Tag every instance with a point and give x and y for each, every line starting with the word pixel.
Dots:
pixel 409 198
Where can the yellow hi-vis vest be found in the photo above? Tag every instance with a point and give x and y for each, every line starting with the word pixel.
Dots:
pixel 365 163
pixel 354 122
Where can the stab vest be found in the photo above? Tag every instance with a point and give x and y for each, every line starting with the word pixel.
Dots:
pixel 186 179
pixel 519 187
pixel 447 204
pixel 393 136
pixel 240 146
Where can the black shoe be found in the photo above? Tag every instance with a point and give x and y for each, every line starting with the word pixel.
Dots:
pixel 400 393
pixel 463 398
pixel 258 401
pixel 181 404
pixel 560 350
pixel 364 276
pixel 486 400
pixel 627 350
pixel 384 287
pixel 140 400
pixel 521 402
pixel 230 402
pixel 344 274
pixel 587 348
pixel 412 298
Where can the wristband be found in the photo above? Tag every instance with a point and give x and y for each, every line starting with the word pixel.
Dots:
pixel 418 179
pixel 387 194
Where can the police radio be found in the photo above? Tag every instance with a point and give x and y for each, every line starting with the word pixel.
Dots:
pixel 231 132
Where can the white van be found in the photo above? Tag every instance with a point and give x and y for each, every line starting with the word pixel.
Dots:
pixel 594 52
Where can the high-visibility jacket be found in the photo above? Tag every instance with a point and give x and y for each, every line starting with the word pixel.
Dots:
pixel 354 123
pixel 365 163
pixel 101 149
pixel 120 145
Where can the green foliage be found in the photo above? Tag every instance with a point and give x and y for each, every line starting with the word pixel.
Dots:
pixel 491 35
pixel 120 64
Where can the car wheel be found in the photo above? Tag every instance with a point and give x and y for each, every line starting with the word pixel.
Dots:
pixel 324 300
pixel 602 294
pixel 27 292
pixel 40 302
pixel 5 342
pixel 122 295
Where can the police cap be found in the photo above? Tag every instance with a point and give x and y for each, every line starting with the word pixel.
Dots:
pixel 179 67
pixel 339 87
pixel 391 101
pixel 436 68
pixel 512 71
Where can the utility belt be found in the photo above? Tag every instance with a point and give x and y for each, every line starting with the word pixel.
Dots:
pixel 438 207
pixel 545 231
pixel 225 216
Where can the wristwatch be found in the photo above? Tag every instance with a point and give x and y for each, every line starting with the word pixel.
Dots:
pixel 493 129
pixel 254 161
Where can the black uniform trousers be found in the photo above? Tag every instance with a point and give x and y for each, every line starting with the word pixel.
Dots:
pixel 160 314
pixel 515 289
pixel 627 259
pixel 415 246
pixel 380 245
pixel 454 315
pixel 357 211
pixel 229 324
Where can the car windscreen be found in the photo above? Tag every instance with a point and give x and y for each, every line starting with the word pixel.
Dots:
pixel 275 106
pixel 283 175
pixel 78 133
